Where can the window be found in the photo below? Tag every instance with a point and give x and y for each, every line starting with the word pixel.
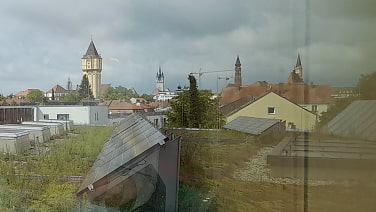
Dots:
pixel 64 117
pixel 156 122
pixel 46 116
pixel 314 108
pixel 271 110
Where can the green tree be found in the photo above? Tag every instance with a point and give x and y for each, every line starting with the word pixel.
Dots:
pixel 119 92
pixel 195 108
pixel 367 86
pixel 194 116
pixel 147 97
pixel 53 95
pixel 70 97
pixel 35 96
pixel 85 91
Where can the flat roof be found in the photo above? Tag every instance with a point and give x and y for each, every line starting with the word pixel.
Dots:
pixel 24 126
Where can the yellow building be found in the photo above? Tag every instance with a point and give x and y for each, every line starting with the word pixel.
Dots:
pixel 92 67
pixel 273 106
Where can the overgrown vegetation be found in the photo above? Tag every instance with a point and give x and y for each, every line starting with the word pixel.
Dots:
pixel 207 167
pixel 72 155
pixel 119 92
pixel 195 109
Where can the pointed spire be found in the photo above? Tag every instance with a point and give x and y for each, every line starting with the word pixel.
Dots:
pixel 237 64
pixel 298 63
pixel 160 75
pixel 91 51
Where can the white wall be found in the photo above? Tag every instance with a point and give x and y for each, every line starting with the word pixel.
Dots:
pixel 80 115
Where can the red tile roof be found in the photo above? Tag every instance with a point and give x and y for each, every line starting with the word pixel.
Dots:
pixel 24 93
pixel 299 93
pixel 58 89
pixel 121 105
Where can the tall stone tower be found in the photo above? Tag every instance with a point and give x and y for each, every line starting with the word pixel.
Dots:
pixel 160 80
pixel 298 69
pixel 238 72
pixel 92 67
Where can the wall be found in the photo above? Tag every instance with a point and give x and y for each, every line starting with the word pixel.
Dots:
pixel 158 120
pixel 284 110
pixel 16 114
pixel 14 145
pixel 80 115
pixel 320 108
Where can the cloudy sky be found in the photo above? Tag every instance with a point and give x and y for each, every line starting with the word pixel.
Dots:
pixel 42 41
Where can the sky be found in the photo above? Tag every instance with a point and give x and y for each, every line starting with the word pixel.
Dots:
pixel 42 41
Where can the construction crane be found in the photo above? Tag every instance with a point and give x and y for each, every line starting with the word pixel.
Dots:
pixel 223 78
pixel 205 72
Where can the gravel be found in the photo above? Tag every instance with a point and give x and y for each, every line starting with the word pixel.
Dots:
pixel 257 170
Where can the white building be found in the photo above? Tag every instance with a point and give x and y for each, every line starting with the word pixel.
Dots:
pixel 80 115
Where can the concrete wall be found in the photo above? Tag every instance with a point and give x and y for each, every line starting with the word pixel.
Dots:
pixel 36 133
pixel 80 115
pixel 284 110
pixel 14 145
pixel 158 120
pixel 276 132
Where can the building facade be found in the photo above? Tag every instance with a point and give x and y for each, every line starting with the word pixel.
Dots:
pixel 273 106
pixel 92 68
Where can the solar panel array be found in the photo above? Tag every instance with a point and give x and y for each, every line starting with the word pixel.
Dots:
pixel 132 136
pixel 358 120
pixel 251 125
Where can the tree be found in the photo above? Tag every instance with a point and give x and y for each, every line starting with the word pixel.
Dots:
pixel 53 95
pixel 85 91
pixel 70 97
pixel 367 86
pixel 147 97
pixel 195 108
pixel 119 92
pixel 34 96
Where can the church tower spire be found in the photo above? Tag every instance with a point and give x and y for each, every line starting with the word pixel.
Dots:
pixel 238 74
pixel 160 79
pixel 298 69
pixel 92 68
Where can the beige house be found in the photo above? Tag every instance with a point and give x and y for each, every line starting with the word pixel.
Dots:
pixel 272 106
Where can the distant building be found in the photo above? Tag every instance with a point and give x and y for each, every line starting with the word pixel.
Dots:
pixel 118 108
pixel 315 98
pixel 160 80
pixel 138 100
pixel 344 92
pixel 161 93
pixel 56 92
pixel 165 96
pixel 238 74
pixel 80 115
pixel 92 68
pixel 272 106
pixel 23 94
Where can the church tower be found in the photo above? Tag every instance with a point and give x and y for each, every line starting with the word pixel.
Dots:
pixel 298 69
pixel 160 80
pixel 92 68
pixel 238 74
